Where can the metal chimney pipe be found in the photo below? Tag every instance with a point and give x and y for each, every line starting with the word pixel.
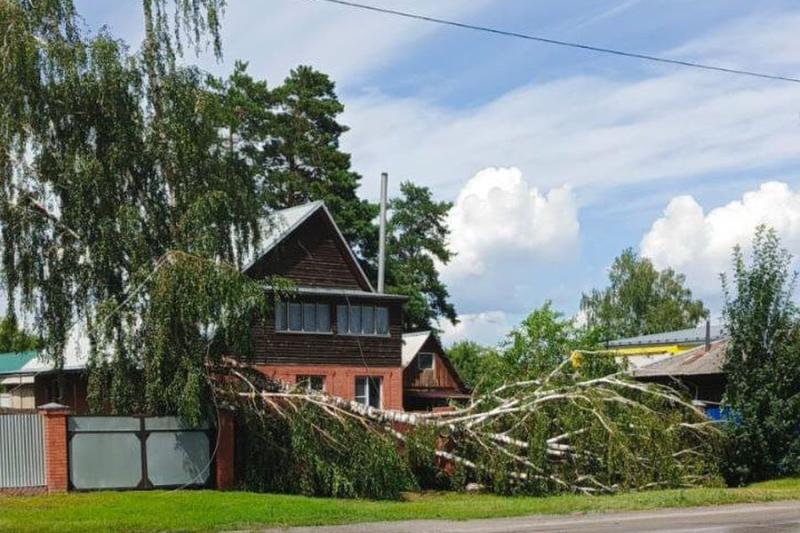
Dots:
pixel 382 237
pixel 708 335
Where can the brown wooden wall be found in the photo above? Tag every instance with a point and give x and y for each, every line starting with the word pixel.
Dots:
pixel 289 348
pixel 313 256
pixel 441 376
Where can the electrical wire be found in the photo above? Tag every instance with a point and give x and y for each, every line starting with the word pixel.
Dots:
pixel 558 42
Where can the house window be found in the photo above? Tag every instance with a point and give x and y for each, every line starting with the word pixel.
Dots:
pixel 295 317
pixel 368 390
pixel 362 320
pixel 311 383
pixel 306 317
pixel 382 320
pixel 425 361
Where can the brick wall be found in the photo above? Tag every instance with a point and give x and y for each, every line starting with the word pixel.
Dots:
pixel 56 461
pixel 225 476
pixel 341 380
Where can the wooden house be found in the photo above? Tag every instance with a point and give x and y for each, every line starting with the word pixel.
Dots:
pixel 334 332
pixel 429 379
pixel 331 331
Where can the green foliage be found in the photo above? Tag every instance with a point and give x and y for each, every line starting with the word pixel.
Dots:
pixel 543 340
pixel 467 357
pixel 429 472
pixel 641 300
pixel 15 339
pixel 616 444
pixel 762 363
pixel 116 188
pixel 314 454
pixel 417 235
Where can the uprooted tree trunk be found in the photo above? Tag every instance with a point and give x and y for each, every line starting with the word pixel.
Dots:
pixel 560 433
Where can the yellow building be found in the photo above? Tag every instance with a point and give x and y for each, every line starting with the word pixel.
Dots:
pixel 644 350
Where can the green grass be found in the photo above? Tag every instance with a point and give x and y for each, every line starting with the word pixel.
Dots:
pixel 209 510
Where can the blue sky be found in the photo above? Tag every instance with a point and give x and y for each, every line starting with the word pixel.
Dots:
pixel 556 158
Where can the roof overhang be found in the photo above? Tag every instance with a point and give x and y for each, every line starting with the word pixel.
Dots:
pixel 327 291
pixel 436 394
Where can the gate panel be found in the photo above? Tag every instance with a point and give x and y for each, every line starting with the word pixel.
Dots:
pixel 177 458
pixel 137 453
pixel 21 451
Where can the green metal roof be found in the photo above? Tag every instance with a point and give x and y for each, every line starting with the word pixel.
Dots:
pixel 12 362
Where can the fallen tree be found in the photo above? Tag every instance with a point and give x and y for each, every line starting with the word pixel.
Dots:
pixel 564 432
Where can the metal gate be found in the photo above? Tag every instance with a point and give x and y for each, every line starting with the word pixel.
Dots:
pixel 136 452
pixel 21 451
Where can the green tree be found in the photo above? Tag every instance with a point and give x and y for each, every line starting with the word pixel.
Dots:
pixel 416 239
pixel 122 207
pixel 468 359
pixel 762 363
pixel 542 341
pixel 292 134
pixel 301 156
pixel 640 300
pixel 15 339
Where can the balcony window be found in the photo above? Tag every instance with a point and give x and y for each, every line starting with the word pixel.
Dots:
pixel 362 320
pixel 305 317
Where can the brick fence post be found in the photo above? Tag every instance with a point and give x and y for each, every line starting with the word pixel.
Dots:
pixel 55 446
pixel 225 467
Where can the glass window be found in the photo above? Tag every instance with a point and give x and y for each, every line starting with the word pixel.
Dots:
pixel 425 361
pixel 309 317
pixel 362 393
pixel 295 317
pixel 315 383
pixel 323 317
pixel 355 319
pixel 368 319
pixel 342 319
pixel 368 391
pixel 280 316
pixel 382 320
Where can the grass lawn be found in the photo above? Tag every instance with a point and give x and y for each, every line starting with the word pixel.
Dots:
pixel 209 510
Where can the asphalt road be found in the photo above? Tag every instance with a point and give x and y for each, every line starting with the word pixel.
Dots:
pixel 771 517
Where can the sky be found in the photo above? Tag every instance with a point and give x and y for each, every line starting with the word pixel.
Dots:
pixel 555 159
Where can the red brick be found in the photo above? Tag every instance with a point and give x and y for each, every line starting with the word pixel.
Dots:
pixel 225 476
pixel 55 447
pixel 340 380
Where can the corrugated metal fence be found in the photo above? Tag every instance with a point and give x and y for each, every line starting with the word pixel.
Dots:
pixel 21 451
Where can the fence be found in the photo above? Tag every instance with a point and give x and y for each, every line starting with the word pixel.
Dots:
pixel 21 451
pixel 53 451
pixel 115 452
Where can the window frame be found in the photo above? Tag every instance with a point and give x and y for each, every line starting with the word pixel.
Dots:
pixel 369 382
pixel 282 318
pixel 376 310
pixel 433 361
pixel 309 380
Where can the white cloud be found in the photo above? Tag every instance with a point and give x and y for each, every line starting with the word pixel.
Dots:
pixel 595 132
pixel 498 216
pixel 485 328
pixel 345 43
pixel 699 244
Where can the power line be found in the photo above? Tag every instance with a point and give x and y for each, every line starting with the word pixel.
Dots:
pixel 545 40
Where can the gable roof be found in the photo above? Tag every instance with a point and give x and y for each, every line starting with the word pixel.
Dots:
pixel 695 362
pixel 76 356
pixel 413 343
pixel 286 221
pixel 12 362
pixel 681 336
